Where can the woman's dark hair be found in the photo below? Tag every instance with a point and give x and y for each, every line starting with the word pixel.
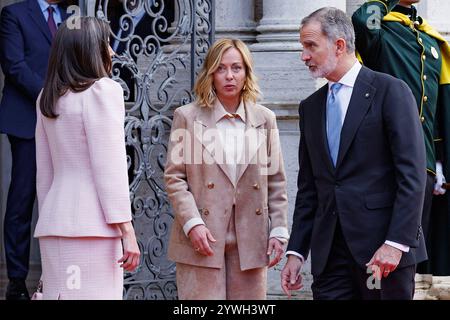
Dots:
pixel 79 56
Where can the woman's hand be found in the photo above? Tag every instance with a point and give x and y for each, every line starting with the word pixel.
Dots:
pixel 131 253
pixel 275 246
pixel 200 237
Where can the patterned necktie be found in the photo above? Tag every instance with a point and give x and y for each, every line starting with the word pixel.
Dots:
pixel 334 122
pixel 50 21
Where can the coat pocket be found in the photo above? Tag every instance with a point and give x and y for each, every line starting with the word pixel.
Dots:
pixel 380 200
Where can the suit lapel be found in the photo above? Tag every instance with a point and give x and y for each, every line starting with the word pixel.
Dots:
pixel 254 138
pixel 363 93
pixel 36 15
pixel 205 131
pixel 321 128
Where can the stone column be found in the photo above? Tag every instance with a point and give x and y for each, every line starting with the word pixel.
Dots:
pixel 236 19
pixel 436 13
pixel 278 29
pixel 352 5
pixel 283 78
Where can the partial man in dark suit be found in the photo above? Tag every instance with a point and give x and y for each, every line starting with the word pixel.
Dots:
pixel 26 32
pixel 362 174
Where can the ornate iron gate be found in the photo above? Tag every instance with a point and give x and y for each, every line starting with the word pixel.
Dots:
pixel 160 46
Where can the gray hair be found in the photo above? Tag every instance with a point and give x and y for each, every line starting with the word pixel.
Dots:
pixel 335 24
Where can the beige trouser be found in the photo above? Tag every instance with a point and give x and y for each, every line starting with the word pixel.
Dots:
pixel 228 282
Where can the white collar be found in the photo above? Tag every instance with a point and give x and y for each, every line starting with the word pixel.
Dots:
pixel 349 78
pixel 220 112
pixel 44 5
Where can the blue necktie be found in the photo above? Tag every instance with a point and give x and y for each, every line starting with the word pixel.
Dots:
pixel 334 122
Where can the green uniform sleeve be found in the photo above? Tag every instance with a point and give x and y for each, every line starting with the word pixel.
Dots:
pixel 367 23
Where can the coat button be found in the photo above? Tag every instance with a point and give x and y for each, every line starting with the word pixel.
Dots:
pixel 210 185
pixel 425 77
pixel 205 212
pixel 425 98
pixel 422 119
pixel 424 57
pixel 258 211
pixel 256 186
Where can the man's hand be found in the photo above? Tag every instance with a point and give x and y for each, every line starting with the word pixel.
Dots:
pixel 290 275
pixel 384 261
pixel 199 236
pixel 440 179
pixel 276 246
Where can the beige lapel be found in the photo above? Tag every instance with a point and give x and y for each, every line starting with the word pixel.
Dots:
pixel 205 131
pixel 255 137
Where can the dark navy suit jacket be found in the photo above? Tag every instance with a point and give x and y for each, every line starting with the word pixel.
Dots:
pixel 376 190
pixel 25 41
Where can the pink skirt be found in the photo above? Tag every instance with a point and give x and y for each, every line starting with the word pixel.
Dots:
pixel 81 268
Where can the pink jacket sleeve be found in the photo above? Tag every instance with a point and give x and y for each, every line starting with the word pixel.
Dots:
pixel 103 117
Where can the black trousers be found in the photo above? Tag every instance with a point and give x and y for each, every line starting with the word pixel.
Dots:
pixel 19 207
pixel 344 279
pixel 424 267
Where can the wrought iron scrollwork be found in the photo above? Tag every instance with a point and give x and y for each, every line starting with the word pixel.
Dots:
pixel 160 45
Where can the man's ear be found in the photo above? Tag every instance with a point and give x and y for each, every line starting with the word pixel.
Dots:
pixel 341 46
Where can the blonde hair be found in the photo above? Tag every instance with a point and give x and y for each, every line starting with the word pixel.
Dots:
pixel 204 88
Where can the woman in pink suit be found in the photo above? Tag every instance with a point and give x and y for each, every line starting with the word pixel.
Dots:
pixel 84 228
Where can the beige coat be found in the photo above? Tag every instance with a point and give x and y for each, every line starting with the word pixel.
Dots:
pixel 205 189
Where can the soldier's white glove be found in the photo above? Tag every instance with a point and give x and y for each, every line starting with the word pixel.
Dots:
pixel 440 179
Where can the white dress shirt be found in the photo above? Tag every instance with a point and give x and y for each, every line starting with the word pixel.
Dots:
pixel 344 95
pixel 56 14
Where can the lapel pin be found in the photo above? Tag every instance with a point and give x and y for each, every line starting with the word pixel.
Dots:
pixel 367 95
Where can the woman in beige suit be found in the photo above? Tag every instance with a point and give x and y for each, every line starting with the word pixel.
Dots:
pixel 226 183
pixel 82 182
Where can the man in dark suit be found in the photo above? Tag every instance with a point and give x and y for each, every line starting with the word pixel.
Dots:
pixel 26 32
pixel 362 174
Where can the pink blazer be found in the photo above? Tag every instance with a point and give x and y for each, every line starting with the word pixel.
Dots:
pixel 82 182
